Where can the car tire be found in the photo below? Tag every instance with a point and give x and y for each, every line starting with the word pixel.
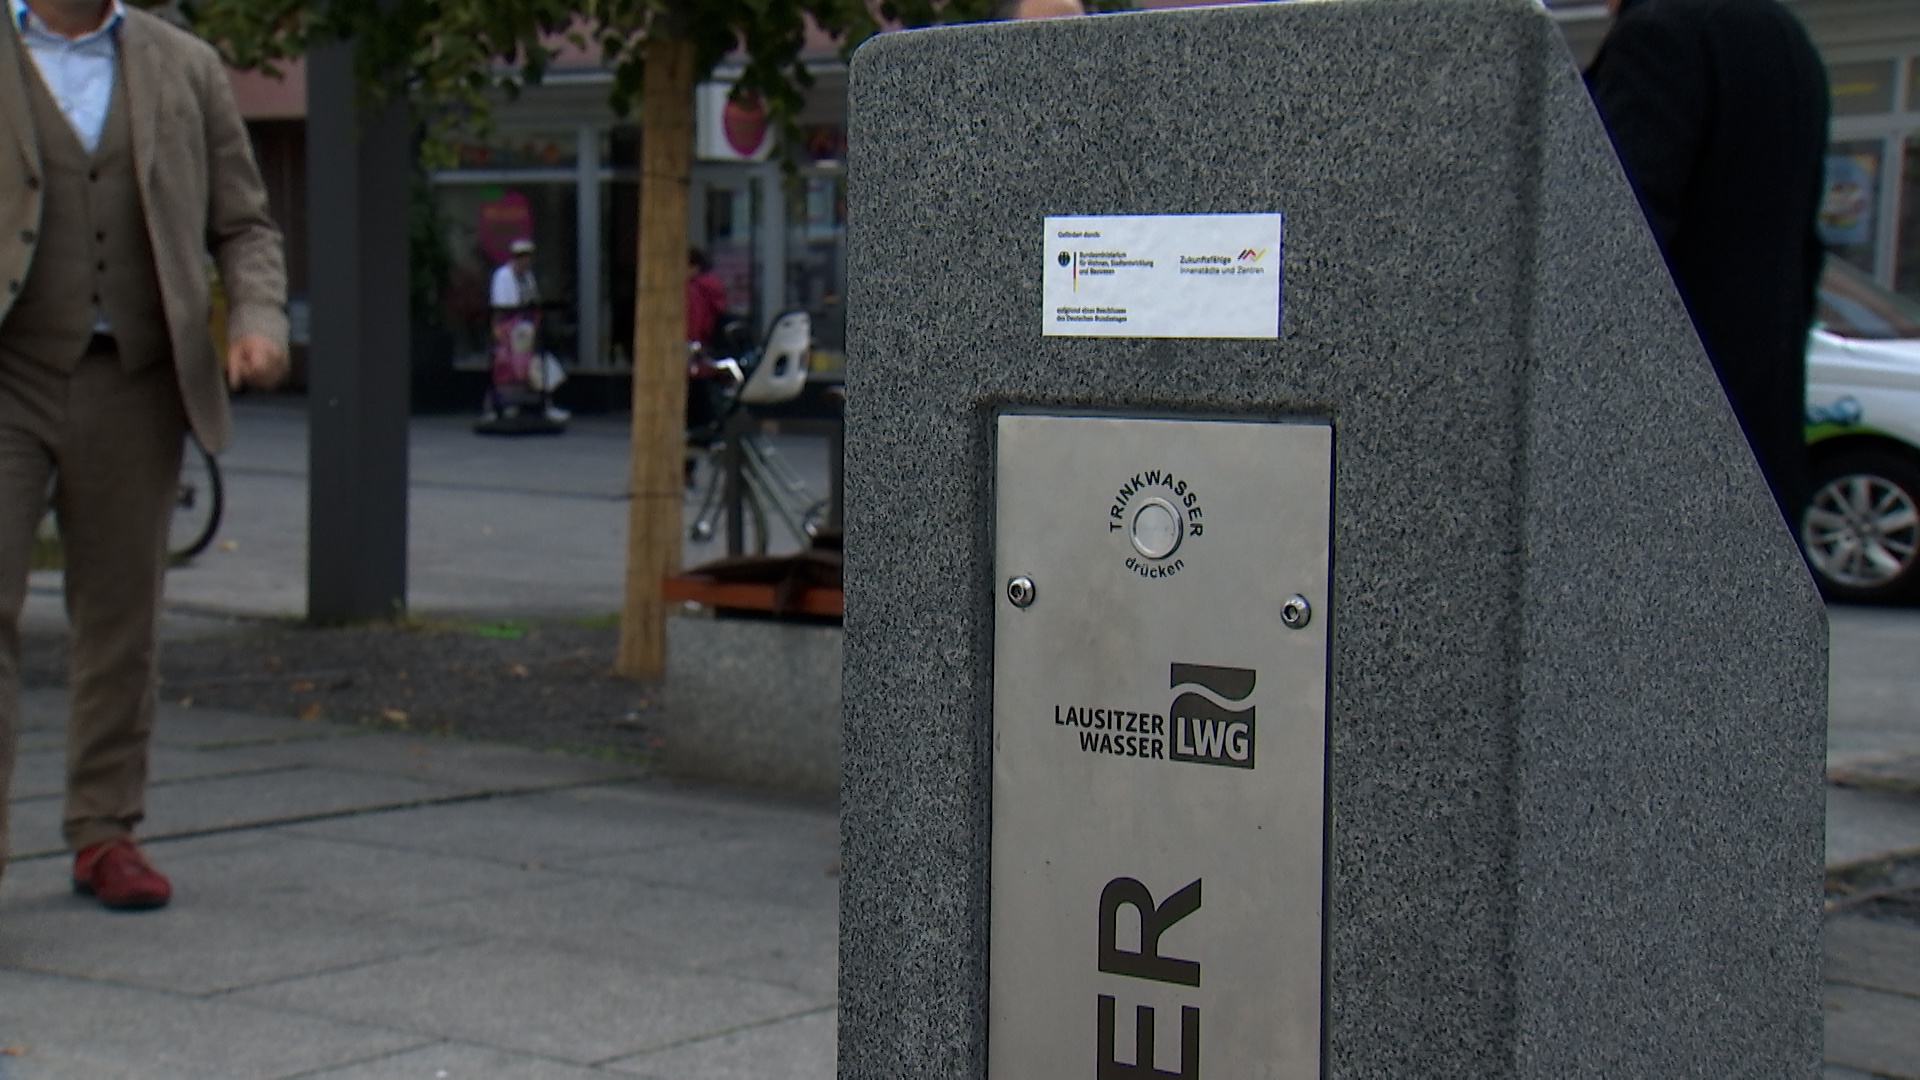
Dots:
pixel 1861 528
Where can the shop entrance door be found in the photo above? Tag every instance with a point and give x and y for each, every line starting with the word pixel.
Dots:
pixel 735 214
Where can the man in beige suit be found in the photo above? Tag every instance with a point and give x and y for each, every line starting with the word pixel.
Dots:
pixel 123 161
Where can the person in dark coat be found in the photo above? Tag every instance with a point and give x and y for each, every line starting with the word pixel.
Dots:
pixel 1718 109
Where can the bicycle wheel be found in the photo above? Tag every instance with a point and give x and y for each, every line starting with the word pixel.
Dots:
pixel 710 518
pixel 198 503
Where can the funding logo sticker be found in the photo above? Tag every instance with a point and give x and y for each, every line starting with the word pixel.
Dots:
pixel 1161 275
pixel 1209 722
pixel 1153 516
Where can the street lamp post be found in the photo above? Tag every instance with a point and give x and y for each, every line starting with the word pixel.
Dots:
pixel 358 164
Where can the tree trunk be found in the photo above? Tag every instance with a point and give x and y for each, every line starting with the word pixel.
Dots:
pixel 659 356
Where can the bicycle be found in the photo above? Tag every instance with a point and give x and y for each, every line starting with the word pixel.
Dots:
pixel 199 501
pixel 766 482
pixel 773 374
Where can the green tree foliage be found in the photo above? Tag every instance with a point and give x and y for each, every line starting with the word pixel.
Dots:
pixel 454 56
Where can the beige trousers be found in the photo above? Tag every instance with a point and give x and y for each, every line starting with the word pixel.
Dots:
pixel 113 442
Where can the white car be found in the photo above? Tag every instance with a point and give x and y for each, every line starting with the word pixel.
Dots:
pixel 1861 527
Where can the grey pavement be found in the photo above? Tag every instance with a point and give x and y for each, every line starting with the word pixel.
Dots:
pixel 525 526
pixel 1873 816
pixel 361 904
pixel 356 904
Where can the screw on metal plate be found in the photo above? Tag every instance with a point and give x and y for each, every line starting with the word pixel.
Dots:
pixel 1296 612
pixel 1020 590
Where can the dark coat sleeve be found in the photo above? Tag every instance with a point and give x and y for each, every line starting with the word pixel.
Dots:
pixel 1652 89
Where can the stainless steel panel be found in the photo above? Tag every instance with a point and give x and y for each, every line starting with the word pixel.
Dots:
pixel 1158 748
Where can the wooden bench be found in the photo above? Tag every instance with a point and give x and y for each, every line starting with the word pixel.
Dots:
pixel 814 600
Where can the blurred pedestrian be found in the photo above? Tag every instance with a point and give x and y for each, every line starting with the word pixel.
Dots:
pixel 706 298
pixel 1718 109
pixel 128 163
pixel 514 286
pixel 514 297
pixel 706 323
pixel 521 372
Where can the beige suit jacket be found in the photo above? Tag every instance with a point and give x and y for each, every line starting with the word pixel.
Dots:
pixel 200 190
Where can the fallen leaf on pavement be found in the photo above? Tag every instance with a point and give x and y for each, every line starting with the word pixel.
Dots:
pixel 187 702
pixel 518 671
pixel 398 716
pixel 301 686
pixel 309 711
pixel 228 545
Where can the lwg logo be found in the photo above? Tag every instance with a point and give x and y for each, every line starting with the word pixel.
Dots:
pixel 1205 729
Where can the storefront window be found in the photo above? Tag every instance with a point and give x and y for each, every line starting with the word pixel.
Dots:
pixel 620 281
pixel 823 144
pixel 726 205
pixel 520 150
pixel 1847 218
pixel 730 218
pixel 479 220
pixel 817 260
pixel 1864 89
pixel 620 147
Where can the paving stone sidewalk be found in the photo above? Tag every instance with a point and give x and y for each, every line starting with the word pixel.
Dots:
pixel 353 903
pixel 1873 846
pixel 1873 997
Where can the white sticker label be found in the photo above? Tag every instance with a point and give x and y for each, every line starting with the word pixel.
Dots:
pixel 1162 275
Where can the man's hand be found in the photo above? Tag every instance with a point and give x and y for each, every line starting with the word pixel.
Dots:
pixel 255 360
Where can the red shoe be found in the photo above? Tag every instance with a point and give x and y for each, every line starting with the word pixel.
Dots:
pixel 115 873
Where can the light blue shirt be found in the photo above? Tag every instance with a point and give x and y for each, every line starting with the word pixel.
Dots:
pixel 77 71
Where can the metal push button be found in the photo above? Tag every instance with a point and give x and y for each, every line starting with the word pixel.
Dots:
pixel 1157 529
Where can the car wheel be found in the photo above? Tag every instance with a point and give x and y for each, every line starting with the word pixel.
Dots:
pixel 1861 529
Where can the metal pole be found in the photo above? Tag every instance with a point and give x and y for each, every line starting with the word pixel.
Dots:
pixel 586 290
pixel 359 164
pixel 773 244
pixel 736 430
